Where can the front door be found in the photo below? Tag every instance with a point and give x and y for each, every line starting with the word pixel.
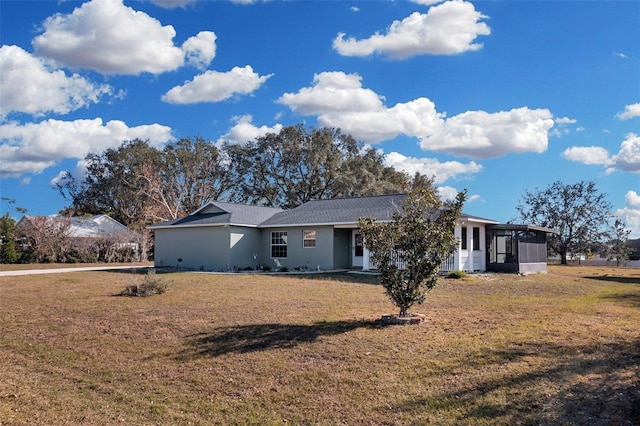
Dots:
pixel 357 248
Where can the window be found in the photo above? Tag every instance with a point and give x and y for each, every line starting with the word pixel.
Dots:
pixel 279 244
pixel 476 238
pixel 309 239
pixel 358 245
pixel 464 238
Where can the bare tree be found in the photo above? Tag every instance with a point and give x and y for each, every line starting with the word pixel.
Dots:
pixel 49 237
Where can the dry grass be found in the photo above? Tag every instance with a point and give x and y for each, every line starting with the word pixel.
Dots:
pixel 561 348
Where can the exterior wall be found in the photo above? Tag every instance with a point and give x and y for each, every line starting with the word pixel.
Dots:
pixel 468 259
pixel 200 248
pixel 244 248
pixel 532 268
pixel 298 256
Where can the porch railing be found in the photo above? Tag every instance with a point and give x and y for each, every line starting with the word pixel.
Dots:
pixel 447 266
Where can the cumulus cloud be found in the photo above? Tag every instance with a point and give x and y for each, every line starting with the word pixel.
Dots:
pixel 333 92
pixel 430 166
pixel 111 38
pixel 30 86
pixel 339 100
pixel 200 50
pixel 587 154
pixel 33 147
pixel 481 135
pixel 630 111
pixel 627 159
pixel 244 130
pixel 630 214
pixel 446 29
pixel 214 86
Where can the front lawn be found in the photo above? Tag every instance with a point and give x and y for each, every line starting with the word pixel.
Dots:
pixel 560 348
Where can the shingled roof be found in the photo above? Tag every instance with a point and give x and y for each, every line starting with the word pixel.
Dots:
pixel 337 211
pixel 219 213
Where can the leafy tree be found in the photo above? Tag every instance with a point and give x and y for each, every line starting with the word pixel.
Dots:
pixel 298 165
pixel 618 247
pixel 8 253
pixel 579 213
pixel 113 184
pixel 409 250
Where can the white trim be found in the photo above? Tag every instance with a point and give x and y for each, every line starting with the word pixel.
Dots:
pixel 201 225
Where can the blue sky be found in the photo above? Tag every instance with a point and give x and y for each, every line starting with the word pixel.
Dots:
pixel 497 97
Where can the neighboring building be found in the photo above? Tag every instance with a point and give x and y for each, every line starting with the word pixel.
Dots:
pixel 324 235
pixel 86 236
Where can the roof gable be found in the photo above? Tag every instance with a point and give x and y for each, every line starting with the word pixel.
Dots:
pixel 216 213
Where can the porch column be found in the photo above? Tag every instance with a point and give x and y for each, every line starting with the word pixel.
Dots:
pixel 365 259
pixel 470 247
pixel 458 255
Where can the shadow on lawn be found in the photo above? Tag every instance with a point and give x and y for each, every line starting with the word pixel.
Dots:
pixel 344 277
pixel 620 280
pixel 596 385
pixel 259 337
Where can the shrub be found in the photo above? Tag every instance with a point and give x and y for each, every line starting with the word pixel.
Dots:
pixel 457 274
pixel 151 284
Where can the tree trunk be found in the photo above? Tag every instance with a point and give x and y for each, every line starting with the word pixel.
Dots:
pixel 563 257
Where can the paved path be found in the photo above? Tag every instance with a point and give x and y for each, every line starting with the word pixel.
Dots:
pixel 61 270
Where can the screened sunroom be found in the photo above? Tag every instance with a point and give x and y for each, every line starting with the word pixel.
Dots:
pixel 517 248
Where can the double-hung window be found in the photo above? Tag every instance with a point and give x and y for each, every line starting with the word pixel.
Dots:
pixel 279 244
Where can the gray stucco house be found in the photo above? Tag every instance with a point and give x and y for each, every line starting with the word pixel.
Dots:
pixel 324 235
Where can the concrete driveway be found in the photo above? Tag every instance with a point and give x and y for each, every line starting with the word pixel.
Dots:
pixel 62 270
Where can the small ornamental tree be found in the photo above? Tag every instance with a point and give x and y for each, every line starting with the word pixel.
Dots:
pixel 618 248
pixel 410 249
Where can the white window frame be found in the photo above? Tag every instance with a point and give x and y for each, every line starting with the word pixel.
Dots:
pixel 306 239
pixel 282 235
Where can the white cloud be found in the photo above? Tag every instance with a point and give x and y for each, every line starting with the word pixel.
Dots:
pixel 565 120
pixel 111 38
pixel 627 159
pixel 430 166
pixel 30 86
pixel 587 154
pixel 630 111
pixel 630 214
pixel 333 92
pixel 200 50
pixel 33 147
pixel 448 193
pixel 446 29
pixel 481 135
pixel 214 86
pixel 244 130
pixel 340 101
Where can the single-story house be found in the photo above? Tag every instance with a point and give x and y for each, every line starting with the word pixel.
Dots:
pixel 323 235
